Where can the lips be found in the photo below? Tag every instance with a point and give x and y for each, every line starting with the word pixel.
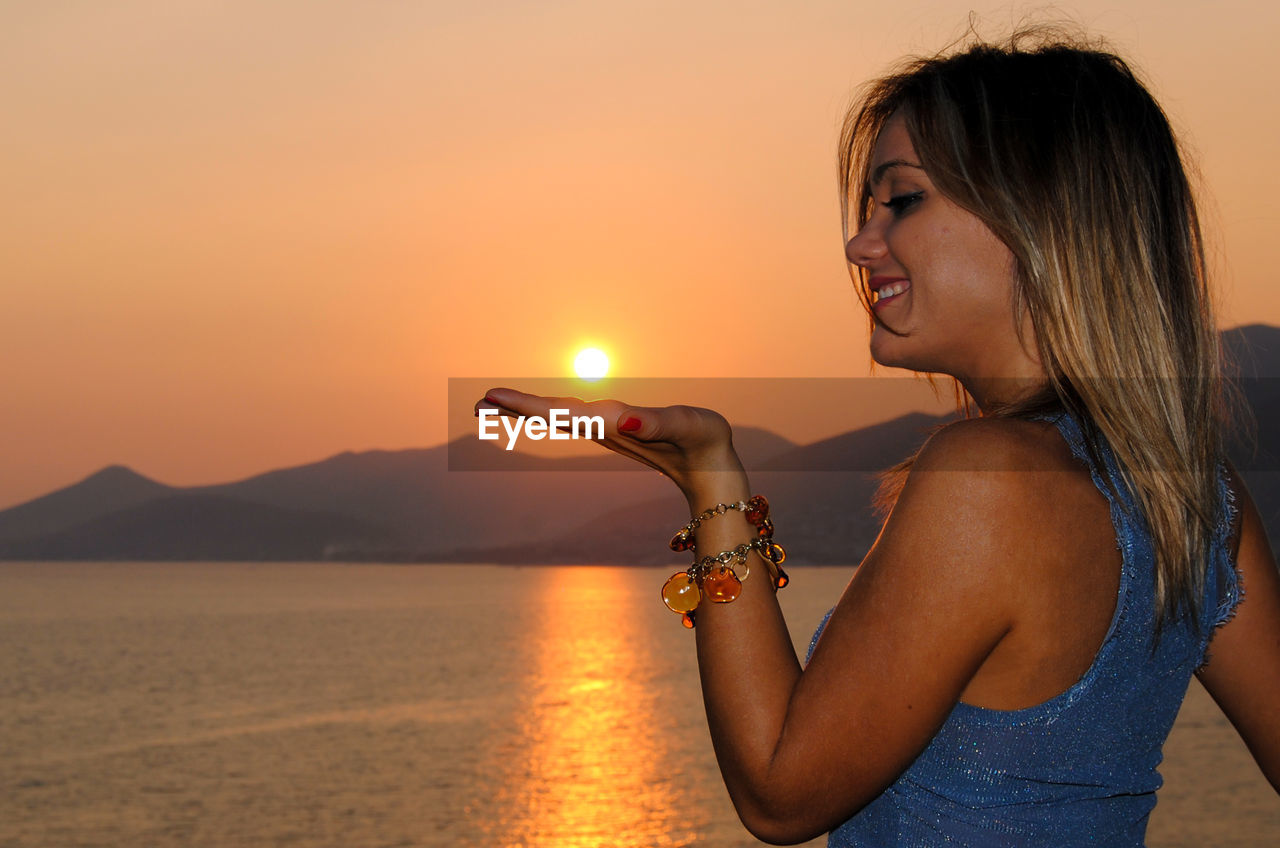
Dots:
pixel 886 289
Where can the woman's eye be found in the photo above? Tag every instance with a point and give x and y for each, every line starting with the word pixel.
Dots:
pixel 900 203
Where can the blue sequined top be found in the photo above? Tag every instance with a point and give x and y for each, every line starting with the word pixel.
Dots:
pixel 1080 768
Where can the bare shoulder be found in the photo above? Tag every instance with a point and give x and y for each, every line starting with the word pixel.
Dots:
pixel 939 592
pixel 962 595
pixel 995 444
pixel 1028 540
pixel 995 494
pixel 1014 478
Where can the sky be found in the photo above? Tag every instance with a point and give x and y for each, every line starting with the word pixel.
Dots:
pixel 245 235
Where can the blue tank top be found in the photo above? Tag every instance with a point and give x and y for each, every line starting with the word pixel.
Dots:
pixel 1080 768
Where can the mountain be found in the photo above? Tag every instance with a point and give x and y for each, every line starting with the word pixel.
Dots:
pixel 202 527
pixel 110 490
pixel 1253 353
pixel 823 518
pixel 472 501
pixel 421 504
pixel 865 450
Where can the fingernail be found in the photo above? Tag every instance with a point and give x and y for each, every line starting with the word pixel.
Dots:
pixel 629 425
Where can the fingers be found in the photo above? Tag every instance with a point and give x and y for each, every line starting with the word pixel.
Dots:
pixel 519 403
pixel 510 402
pixel 643 424
pixel 677 425
pixel 513 403
pixel 686 426
pixel 675 440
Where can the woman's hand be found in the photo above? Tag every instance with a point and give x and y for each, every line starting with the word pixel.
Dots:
pixel 691 445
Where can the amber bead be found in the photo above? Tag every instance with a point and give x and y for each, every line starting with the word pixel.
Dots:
pixel 682 541
pixel 775 553
pixel 783 579
pixel 687 619
pixel 721 586
pixel 681 594
pixel 765 528
pixel 757 509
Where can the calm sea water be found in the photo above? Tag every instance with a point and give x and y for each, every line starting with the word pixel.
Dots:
pixel 328 705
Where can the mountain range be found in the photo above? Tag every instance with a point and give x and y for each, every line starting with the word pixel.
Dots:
pixel 408 506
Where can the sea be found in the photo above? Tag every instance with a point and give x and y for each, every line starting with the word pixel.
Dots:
pixel 370 706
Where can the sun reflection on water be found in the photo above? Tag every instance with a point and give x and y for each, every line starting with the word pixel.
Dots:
pixel 593 765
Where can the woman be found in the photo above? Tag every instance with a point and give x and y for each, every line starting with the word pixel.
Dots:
pixel 1009 658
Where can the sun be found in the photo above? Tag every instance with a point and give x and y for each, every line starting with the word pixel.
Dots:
pixel 591 363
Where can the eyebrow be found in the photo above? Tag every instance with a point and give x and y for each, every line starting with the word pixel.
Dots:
pixel 878 174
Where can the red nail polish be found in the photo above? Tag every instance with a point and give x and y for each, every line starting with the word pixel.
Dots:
pixel 629 425
pixel 488 399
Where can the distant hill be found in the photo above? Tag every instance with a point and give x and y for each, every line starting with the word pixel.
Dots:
pixel 409 506
pixel 376 505
pixel 1254 351
pixel 867 450
pixel 112 489
pixel 202 527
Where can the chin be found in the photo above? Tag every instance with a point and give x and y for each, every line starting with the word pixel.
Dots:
pixel 890 350
pixel 893 351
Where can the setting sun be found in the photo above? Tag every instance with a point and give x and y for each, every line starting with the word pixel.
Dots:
pixel 591 363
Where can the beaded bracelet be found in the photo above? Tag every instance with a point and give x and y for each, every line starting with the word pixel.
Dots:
pixel 756 509
pixel 715 577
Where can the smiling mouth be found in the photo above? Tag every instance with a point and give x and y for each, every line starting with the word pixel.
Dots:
pixel 889 291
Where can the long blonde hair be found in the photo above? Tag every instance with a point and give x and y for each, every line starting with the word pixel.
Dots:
pixel 1060 150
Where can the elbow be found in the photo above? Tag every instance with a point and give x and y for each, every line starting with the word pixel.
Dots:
pixel 780 823
pixel 787 806
pixel 779 832
pixel 779 812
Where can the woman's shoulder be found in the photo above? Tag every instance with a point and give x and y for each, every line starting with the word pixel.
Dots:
pixel 1026 527
pixel 1015 479
pixel 1019 535
pixel 1016 484
pixel 996 444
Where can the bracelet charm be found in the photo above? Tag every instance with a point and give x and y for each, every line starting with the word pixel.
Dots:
pixel 717 578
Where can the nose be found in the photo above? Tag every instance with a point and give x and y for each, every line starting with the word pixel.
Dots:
pixel 866 247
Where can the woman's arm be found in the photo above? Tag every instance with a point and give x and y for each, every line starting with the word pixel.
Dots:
pixel 1243 671
pixel 802 751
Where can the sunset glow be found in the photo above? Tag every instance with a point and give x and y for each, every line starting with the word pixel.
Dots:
pixel 248 236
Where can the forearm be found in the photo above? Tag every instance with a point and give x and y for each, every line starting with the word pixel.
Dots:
pixel 747 664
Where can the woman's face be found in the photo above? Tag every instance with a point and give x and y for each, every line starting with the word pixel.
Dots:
pixel 941 283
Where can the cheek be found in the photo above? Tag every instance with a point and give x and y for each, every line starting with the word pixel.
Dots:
pixel 988 253
pixel 959 266
pixel 916 245
pixel 982 270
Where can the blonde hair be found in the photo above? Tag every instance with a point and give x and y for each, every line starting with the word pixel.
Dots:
pixel 1060 150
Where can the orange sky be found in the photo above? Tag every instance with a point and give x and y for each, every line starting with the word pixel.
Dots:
pixel 239 236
